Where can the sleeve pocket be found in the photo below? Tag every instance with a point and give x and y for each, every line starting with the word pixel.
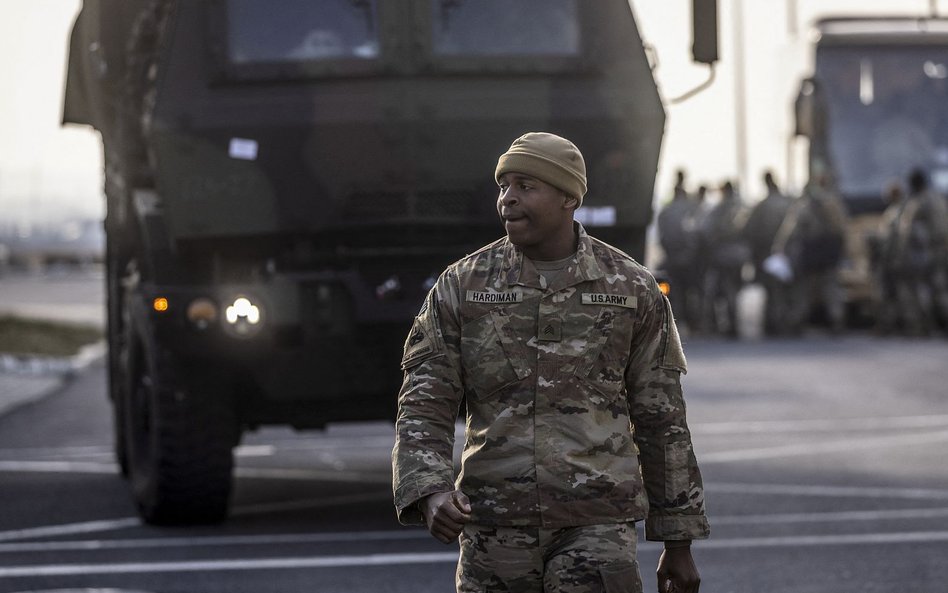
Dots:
pixel 604 373
pixel 491 354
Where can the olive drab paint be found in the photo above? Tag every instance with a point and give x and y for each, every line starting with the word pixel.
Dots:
pixel 327 181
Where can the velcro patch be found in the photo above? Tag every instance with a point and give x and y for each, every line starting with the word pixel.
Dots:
pixel 617 300
pixel 419 345
pixel 474 296
pixel 424 340
pixel 550 331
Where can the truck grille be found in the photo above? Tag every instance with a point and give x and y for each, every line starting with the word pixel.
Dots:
pixel 379 206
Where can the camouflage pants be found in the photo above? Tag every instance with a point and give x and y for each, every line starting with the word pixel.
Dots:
pixel 587 559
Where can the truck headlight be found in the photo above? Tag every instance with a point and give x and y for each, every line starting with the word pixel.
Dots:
pixel 202 312
pixel 243 317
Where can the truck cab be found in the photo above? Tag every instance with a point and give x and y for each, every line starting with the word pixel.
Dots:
pixel 873 110
pixel 283 186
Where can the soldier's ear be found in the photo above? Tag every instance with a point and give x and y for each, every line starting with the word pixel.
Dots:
pixel 570 201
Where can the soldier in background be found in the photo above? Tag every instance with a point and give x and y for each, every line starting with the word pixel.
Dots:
pixel 919 250
pixel 722 233
pixel 761 229
pixel 699 214
pixel 568 357
pixel 679 190
pixel 812 237
pixel 884 261
pixel 679 241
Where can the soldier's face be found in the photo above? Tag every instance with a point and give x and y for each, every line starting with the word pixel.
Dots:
pixel 537 216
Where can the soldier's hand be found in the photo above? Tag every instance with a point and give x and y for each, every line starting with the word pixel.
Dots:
pixel 446 513
pixel 677 572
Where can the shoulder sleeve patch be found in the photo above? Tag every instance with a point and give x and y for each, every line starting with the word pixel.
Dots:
pixel 673 355
pixel 424 340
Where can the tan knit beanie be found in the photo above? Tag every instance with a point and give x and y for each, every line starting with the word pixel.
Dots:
pixel 549 158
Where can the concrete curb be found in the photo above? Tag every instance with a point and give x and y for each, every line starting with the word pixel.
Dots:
pixel 26 379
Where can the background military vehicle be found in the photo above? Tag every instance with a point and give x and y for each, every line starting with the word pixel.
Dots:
pixel 284 183
pixel 874 109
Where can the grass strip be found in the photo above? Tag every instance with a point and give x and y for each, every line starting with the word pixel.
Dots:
pixel 44 338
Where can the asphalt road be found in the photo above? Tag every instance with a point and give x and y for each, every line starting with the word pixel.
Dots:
pixel 824 462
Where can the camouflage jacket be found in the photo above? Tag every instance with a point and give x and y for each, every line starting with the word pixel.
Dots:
pixel 574 412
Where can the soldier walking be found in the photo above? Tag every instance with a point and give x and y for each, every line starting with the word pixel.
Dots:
pixel 883 249
pixel 759 231
pixel 920 245
pixel 679 241
pixel 727 253
pixel 568 357
pixel 812 237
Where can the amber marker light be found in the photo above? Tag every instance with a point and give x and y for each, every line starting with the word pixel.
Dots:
pixel 665 287
pixel 160 304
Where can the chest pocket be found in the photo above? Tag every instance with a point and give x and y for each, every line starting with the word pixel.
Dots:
pixel 608 340
pixel 492 354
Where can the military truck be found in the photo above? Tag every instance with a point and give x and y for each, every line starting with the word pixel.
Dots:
pixel 285 181
pixel 874 109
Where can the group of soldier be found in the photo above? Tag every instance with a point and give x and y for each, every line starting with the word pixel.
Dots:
pixel 910 259
pixel 794 248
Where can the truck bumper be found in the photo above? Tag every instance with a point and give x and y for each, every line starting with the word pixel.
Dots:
pixel 288 342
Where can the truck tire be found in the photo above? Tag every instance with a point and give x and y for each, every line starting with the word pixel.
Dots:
pixel 117 359
pixel 119 439
pixel 180 441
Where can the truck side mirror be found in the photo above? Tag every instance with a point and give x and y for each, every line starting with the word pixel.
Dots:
pixel 704 30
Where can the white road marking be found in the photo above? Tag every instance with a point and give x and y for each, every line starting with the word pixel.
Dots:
pixel 812 448
pixel 827 491
pixel 70 529
pixel 421 534
pixel 63 467
pixel 886 539
pixel 216 541
pixel 228 565
pixel 821 424
pixel 126 522
pixel 58 452
pixel 830 516
pixel 254 450
pixel 363 442
pixel 714 487
pixel 50 570
pixel 383 476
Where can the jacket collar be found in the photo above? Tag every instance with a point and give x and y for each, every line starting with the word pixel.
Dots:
pixel 583 268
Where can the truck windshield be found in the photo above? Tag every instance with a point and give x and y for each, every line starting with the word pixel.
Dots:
pixel 505 27
pixel 886 114
pixel 301 31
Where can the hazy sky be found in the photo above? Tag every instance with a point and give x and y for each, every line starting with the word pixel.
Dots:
pixel 48 169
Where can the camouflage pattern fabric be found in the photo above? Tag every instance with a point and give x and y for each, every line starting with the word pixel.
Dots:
pixel 763 223
pixel 919 247
pixel 587 559
pixel 574 408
